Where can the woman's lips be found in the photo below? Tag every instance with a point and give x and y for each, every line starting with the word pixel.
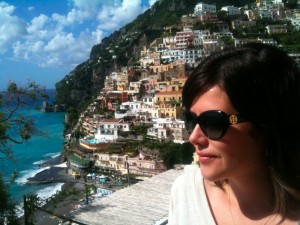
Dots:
pixel 203 157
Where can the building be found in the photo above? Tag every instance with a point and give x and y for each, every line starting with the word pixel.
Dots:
pixel 184 39
pixel 108 129
pixel 168 129
pixel 296 22
pixel 211 43
pixel 170 111
pixel 111 161
pixel 188 20
pixel 265 14
pixel 242 24
pixel 208 17
pixel 167 97
pixel 202 8
pixel 148 99
pixel 188 56
pixel 146 167
pixel 113 99
pixel 240 42
pixel 277 29
pixel 231 10
pixel 198 37
pixel 149 58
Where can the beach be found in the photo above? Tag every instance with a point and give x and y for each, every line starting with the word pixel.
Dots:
pixel 60 204
pixel 61 208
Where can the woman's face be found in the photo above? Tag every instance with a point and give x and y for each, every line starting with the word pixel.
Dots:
pixel 238 153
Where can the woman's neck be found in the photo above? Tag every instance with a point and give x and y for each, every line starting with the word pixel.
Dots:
pixel 252 194
pixel 255 199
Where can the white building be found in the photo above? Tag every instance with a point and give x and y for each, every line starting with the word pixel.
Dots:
pixel 280 2
pixel 231 10
pixel 296 22
pixel 169 130
pixel 277 28
pixel 202 8
pixel 211 43
pixel 268 41
pixel 128 109
pixel 188 55
pixel 111 161
pixel 148 99
pixel 154 112
pixel 169 41
pixel 242 24
pixel 134 87
pixel 265 14
pixel 108 129
pixel 132 106
pixel 198 37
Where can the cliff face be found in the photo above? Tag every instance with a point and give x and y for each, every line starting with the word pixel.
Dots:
pixel 122 48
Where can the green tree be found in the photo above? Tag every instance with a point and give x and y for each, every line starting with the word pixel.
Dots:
pixel 222 15
pixel 7 207
pixel 173 153
pixel 15 129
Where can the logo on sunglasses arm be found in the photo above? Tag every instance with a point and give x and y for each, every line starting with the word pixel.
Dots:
pixel 233 119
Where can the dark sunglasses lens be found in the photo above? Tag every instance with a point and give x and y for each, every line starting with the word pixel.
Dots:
pixel 189 121
pixel 213 124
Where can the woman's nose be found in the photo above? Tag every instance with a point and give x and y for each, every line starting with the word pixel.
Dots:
pixel 198 137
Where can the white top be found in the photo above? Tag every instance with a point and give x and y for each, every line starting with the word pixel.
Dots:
pixel 189 204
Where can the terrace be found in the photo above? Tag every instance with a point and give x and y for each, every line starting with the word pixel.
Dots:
pixel 143 203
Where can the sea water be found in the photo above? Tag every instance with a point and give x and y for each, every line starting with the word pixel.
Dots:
pixel 30 154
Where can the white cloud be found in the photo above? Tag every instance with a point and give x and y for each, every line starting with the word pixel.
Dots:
pixel 37 24
pixel 60 43
pixel 57 40
pixel 151 2
pixel 112 17
pixel 6 9
pixel 81 11
pixel 97 35
pixel 30 8
pixel 11 27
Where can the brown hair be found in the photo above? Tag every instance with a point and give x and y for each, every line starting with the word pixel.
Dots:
pixel 263 84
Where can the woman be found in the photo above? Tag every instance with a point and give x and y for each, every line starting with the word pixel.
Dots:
pixel 242 109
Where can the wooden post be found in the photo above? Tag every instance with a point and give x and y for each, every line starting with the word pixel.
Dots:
pixel 26 222
pixel 86 191
pixel 128 177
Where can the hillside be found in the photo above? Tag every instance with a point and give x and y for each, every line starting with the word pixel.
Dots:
pixel 86 80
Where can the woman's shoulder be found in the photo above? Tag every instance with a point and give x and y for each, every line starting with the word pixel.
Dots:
pixel 187 178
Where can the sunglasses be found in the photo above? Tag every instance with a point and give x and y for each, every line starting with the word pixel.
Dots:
pixel 213 123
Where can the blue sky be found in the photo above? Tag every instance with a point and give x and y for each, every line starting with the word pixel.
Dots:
pixel 43 40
